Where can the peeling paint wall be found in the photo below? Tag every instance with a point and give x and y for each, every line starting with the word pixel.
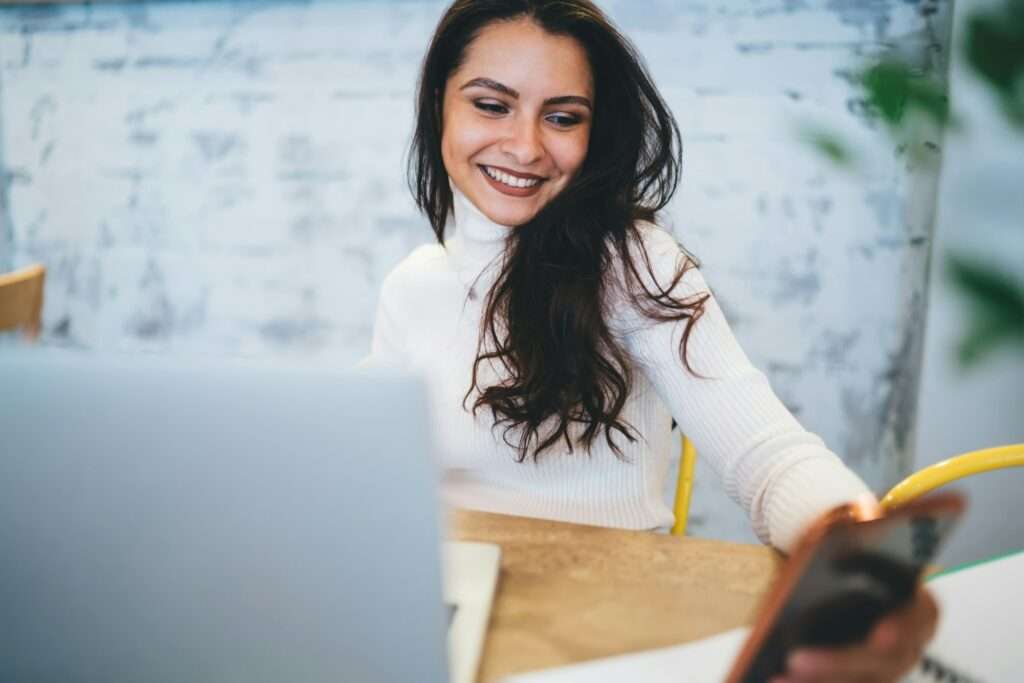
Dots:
pixel 227 177
pixel 980 216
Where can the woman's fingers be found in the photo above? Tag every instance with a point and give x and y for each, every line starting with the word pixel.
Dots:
pixel 917 621
pixel 890 651
pixel 857 663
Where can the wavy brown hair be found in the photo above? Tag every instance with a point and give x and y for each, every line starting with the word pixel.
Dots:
pixel 546 319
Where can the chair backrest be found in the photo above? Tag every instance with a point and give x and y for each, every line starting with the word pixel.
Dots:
pixel 21 300
pixel 684 487
pixel 958 467
pixel 914 486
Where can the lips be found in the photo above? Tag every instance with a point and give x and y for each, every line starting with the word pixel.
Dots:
pixel 510 182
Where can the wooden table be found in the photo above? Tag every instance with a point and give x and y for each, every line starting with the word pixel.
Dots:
pixel 568 593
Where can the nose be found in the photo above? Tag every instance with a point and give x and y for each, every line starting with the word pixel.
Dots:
pixel 523 142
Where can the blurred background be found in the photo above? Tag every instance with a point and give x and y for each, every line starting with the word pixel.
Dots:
pixel 227 178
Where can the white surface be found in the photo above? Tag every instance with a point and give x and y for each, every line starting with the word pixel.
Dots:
pixel 703 661
pixel 470 579
pixel 979 634
pixel 982 619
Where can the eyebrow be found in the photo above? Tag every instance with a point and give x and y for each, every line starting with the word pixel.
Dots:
pixel 511 92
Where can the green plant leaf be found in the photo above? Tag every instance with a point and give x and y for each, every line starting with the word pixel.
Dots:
pixel 829 144
pixel 888 87
pixel 995 304
pixel 994 46
pixel 893 90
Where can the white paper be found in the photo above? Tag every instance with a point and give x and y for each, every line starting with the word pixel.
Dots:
pixel 470 578
pixel 981 625
pixel 702 661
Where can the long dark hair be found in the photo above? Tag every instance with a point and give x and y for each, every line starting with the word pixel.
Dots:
pixel 546 320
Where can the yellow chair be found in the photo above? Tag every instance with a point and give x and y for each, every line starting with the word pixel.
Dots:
pixel 914 486
pixel 684 487
pixel 21 300
pixel 941 473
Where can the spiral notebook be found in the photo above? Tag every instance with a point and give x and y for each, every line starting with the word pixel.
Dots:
pixel 978 640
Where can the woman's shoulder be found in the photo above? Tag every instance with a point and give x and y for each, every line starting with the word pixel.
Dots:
pixel 422 262
pixel 658 242
pixel 658 257
pixel 424 258
pixel 421 276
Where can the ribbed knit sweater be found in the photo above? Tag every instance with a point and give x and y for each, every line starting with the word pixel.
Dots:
pixel 428 322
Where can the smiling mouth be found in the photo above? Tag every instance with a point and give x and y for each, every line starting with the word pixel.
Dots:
pixel 514 184
pixel 510 179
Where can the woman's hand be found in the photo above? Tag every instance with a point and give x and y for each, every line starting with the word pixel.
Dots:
pixel 889 652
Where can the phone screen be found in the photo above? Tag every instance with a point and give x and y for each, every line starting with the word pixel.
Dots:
pixel 856 573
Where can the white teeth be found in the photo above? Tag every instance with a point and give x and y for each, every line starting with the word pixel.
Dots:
pixel 510 180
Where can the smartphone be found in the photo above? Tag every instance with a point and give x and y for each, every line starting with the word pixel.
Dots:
pixel 853 567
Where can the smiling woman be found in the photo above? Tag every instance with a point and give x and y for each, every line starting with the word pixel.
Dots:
pixel 554 322
pixel 570 144
pixel 558 329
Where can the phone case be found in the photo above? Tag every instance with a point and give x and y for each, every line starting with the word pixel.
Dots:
pixel 851 568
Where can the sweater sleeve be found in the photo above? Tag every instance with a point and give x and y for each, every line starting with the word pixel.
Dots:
pixel 781 474
pixel 387 348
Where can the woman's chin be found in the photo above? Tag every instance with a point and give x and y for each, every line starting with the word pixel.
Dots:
pixel 509 216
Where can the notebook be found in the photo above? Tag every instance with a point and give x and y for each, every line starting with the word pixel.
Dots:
pixel 978 640
pixel 470 579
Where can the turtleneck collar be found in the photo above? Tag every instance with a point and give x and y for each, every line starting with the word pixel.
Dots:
pixel 472 224
pixel 476 243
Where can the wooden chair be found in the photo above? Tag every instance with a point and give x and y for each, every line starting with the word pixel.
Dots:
pixel 684 487
pixel 21 300
pixel 958 467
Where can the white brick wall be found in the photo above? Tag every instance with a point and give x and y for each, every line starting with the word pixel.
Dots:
pixel 228 178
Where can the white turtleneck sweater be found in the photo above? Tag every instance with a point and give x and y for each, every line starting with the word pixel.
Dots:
pixel 428 323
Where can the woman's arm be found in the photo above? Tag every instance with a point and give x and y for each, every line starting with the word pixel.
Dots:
pixel 782 475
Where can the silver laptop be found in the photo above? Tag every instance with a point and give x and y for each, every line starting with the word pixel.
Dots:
pixel 172 520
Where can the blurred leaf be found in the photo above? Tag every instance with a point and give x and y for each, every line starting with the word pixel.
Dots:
pixel 994 45
pixel 995 304
pixel 888 86
pixel 829 144
pixel 894 90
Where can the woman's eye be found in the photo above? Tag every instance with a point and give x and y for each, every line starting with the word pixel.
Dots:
pixel 563 120
pixel 490 107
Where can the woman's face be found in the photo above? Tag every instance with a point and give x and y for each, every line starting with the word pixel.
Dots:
pixel 517 116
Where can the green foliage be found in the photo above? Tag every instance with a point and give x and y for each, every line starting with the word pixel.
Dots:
pixel 829 145
pixel 994 47
pixel 894 90
pixel 996 306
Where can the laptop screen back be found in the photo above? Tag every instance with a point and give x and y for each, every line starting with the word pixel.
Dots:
pixel 180 521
